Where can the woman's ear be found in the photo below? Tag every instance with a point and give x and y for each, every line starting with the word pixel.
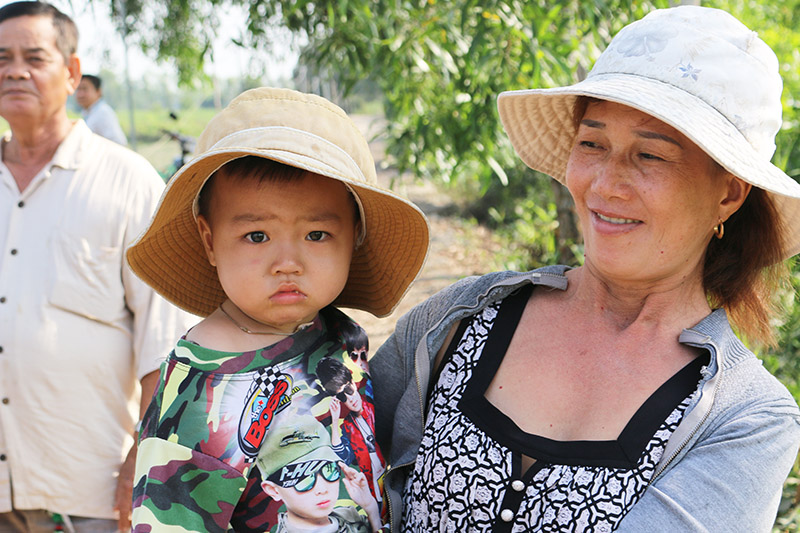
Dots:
pixel 736 192
pixel 204 228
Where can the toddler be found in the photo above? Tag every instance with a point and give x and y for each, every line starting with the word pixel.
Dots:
pixel 276 221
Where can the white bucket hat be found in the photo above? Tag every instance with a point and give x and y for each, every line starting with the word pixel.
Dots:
pixel 697 69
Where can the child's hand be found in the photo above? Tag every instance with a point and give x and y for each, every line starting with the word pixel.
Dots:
pixel 335 408
pixel 358 488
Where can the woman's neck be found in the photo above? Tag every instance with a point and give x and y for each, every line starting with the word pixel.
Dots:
pixel 654 304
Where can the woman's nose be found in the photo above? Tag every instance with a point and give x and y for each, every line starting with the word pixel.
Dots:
pixel 612 177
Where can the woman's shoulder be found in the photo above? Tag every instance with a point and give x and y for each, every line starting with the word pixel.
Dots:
pixel 496 285
pixel 744 383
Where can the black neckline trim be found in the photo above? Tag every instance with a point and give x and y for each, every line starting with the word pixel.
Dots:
pixel 624 452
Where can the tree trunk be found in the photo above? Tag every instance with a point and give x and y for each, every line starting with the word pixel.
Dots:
pixel 567 231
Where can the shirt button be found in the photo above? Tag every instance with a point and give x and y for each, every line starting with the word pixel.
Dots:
pixel 21 204
pixel 517 485
pixel 2 457
pixel 5 401
pixel 506 515
pixel 2 299
pixel 13 251
pixel 1 349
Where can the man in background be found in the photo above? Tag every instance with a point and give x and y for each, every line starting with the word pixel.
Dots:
pixel 80 335
pixel 96 112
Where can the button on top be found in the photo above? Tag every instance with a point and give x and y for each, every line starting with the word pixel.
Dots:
pixel 517 485
pixel 21 204
pixel 506 515
pixel 13 251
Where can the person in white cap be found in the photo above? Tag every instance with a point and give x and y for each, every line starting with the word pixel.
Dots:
pixel 615 396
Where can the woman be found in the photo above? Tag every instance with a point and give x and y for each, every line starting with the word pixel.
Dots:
pixel 615 396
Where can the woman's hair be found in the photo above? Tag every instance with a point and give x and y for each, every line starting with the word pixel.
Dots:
pixel 743 270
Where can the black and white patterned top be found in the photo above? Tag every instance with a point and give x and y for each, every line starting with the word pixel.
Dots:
pixel 468 478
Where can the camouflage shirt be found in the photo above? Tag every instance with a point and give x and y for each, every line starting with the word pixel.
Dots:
pixel 211 411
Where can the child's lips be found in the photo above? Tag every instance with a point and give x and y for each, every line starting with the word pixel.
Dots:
pixel 288 294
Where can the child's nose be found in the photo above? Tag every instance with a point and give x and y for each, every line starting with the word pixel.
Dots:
pixel 287 260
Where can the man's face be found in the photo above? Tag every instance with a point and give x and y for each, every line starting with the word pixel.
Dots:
pixel 35 81
pixel 87 94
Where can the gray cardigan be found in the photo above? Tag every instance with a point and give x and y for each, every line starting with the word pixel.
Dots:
pixel 723 468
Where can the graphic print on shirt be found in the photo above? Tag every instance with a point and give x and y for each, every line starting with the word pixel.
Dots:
pixel 259 441
pixel 269 394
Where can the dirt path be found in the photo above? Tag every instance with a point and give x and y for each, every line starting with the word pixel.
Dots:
pixel 457 249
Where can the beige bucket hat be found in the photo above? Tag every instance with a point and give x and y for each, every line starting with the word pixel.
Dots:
pixel 304 131
pixel 697 69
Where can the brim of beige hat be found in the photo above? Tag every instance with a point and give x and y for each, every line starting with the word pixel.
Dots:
pixel 540 125
pixel 169 256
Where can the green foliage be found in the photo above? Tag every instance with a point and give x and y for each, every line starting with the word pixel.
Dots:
pixel 151 123
pixel 178 31
pixel 784 363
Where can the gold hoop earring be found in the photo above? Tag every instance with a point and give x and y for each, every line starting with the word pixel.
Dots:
pixel 719 230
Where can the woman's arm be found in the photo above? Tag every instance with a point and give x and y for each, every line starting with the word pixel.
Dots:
pixel 729 480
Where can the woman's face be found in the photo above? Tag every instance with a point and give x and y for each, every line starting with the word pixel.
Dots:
pixel 647 197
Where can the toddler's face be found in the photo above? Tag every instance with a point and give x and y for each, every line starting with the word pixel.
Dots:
pixel 282 250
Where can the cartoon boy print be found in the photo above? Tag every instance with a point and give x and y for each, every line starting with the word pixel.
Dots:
pixel 299 468
pixel 356 343
pixel 354 439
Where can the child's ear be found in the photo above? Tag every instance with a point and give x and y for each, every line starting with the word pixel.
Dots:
pixel 204 228
pixel 269 488
pixel 359 238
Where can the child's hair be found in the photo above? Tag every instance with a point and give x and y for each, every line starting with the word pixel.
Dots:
pixel 353 335
pixel 333 374
pixel 257 169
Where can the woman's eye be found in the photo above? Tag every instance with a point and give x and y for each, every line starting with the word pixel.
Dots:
pixel 645 155
pixel 589 144
pixel 317 236
pixel 256 236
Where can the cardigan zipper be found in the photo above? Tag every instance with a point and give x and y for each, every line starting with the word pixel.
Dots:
pixel 697 426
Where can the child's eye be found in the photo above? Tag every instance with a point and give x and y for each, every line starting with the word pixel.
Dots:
pixel 317 236
pixel 256 236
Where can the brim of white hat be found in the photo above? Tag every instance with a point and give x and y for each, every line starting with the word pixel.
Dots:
pixel 169 255
pixel 540 125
